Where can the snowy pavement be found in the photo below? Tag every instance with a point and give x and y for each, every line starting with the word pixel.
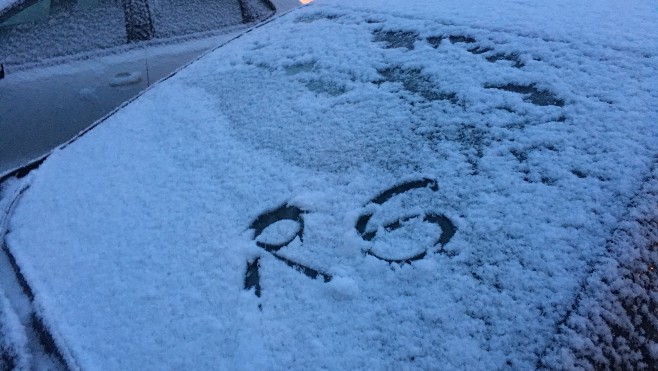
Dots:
pixel 367 185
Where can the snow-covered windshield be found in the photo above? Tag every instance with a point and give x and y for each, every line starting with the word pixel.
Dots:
pixel 365 185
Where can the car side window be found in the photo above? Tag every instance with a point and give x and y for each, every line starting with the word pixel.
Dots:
pixel 35 30
pixel 56 28
pixel 182 17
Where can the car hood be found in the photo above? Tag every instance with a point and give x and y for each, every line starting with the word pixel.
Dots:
pixel 354 185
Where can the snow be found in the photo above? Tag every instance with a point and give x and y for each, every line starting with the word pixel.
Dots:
pixel 13 341
pixel 4 4
pixel 66 32
pixel 358 186
pixel 21 346
pixel 613 324
pixel 73 91
pixel 78 29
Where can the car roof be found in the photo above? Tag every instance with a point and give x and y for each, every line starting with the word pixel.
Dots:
pixel 352 186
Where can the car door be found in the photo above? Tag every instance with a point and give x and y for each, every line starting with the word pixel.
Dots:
pixel 67 63
pixel 55 82
pixel 42 109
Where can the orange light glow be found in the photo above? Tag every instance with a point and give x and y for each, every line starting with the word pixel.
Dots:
pixel 305 1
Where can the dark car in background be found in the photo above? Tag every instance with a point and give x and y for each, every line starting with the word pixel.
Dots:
pixel 66 63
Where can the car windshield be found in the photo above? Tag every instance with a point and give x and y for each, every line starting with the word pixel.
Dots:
pixel 371 185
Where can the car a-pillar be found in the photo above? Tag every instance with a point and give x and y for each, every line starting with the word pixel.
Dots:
pixel 139 21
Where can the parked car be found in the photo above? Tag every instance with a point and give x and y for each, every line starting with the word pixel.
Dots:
pixel 67 63
pixel 360 185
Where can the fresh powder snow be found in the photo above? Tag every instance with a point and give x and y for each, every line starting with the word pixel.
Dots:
pixel 13 341
pixel 363 185
pixel 5 4
pixel 613 324
pixel 73 29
